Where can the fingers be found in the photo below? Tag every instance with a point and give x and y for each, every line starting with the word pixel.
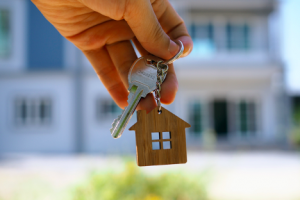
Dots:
pixel 170 85
pixel 173 24
pixel 143 22
pixel 109 32
pixel 69 17
pixel 123 56
pixel 108 74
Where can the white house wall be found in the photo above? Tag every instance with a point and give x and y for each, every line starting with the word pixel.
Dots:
pixel 232 84
pixel 97 132
pixel 58 135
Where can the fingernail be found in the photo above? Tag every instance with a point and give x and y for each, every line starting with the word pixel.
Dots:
pixel 173 48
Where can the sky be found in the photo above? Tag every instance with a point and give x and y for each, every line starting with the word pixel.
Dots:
pixel 291 43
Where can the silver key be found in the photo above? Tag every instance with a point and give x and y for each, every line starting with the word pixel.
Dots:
pixel 142 80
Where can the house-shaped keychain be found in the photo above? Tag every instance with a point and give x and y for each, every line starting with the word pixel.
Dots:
pixel 160 138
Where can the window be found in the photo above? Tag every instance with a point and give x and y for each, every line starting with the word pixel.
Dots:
pixel 4 33
pixel 203 37
pixel 214 36
pixel 195 118
pixel 246 117
pixel 161 140
pixel 106 108
pixel 33 111
pixel 237 36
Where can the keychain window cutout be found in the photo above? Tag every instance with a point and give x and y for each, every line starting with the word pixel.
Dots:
pixel 161 140
pixel 167 145
pixel 166 135
pixel 155 136
pixel 155 145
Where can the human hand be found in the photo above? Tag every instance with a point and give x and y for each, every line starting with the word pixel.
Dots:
pixel 102 30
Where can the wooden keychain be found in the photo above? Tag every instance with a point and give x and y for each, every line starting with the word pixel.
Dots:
pixel 160 135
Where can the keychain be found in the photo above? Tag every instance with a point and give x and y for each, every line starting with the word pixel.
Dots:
pixel 160 135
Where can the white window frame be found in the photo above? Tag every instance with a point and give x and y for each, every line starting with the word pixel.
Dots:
pixel 247 134
pixel 202 115
pixel 257 46
pixel 32 106
pixel 18 16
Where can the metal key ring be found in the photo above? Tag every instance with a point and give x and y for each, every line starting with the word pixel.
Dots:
pixel 181 48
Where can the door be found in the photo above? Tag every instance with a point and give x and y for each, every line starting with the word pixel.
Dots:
pixel 220 118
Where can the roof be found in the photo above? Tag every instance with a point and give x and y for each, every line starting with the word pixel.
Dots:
pixel 154 112
pixel 258 5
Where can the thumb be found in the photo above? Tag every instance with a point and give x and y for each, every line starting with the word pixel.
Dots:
pixel 144 23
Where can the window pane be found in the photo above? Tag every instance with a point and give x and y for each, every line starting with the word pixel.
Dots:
pixel 4 33
pixel 45 110
pixel 115 108
pixel 195 118
pixel 251 116
pixel 167 145
pixel 237 37
pixel 247 117
pixel 155 136
pixel 24 111
pixel 155 145
pixel 243 117
pixel 166 135
pixel 106 108
pixel 203 37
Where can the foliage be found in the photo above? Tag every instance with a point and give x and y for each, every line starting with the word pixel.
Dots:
pixel 295 135
pixel 296 115
pixel 132 184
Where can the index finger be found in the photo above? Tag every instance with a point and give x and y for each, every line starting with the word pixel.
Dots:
pixel 143 22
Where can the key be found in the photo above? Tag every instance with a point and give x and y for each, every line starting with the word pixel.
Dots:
pixel 142 80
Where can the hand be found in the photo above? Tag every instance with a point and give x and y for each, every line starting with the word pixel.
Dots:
pixel 102 30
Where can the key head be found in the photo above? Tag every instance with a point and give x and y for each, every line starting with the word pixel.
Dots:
pixel 143 73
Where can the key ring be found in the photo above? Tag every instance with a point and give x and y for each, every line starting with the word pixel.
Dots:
pixel 181 48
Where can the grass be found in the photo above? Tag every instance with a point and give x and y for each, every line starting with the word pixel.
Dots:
pixel 125 181
pixel 132 184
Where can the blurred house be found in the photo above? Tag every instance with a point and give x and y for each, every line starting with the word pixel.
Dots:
pixel 233 82
pixel 231 86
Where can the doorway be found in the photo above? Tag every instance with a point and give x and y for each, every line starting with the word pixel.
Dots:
pixel 220 118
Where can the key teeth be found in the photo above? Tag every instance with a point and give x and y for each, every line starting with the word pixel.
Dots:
pixel 113 125
pixel 115 122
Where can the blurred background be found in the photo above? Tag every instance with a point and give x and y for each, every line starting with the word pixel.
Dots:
pixel 239 89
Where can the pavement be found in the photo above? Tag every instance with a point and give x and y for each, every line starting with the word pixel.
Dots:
pixel 269 175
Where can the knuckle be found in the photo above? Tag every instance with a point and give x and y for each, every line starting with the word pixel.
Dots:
pixel 89 39
pixel 106 72
pixel 157 35
pixel 132 8
pixel 120 9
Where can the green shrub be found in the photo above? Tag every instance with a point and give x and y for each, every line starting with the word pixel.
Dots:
pixel 295 134
pixel 132 184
